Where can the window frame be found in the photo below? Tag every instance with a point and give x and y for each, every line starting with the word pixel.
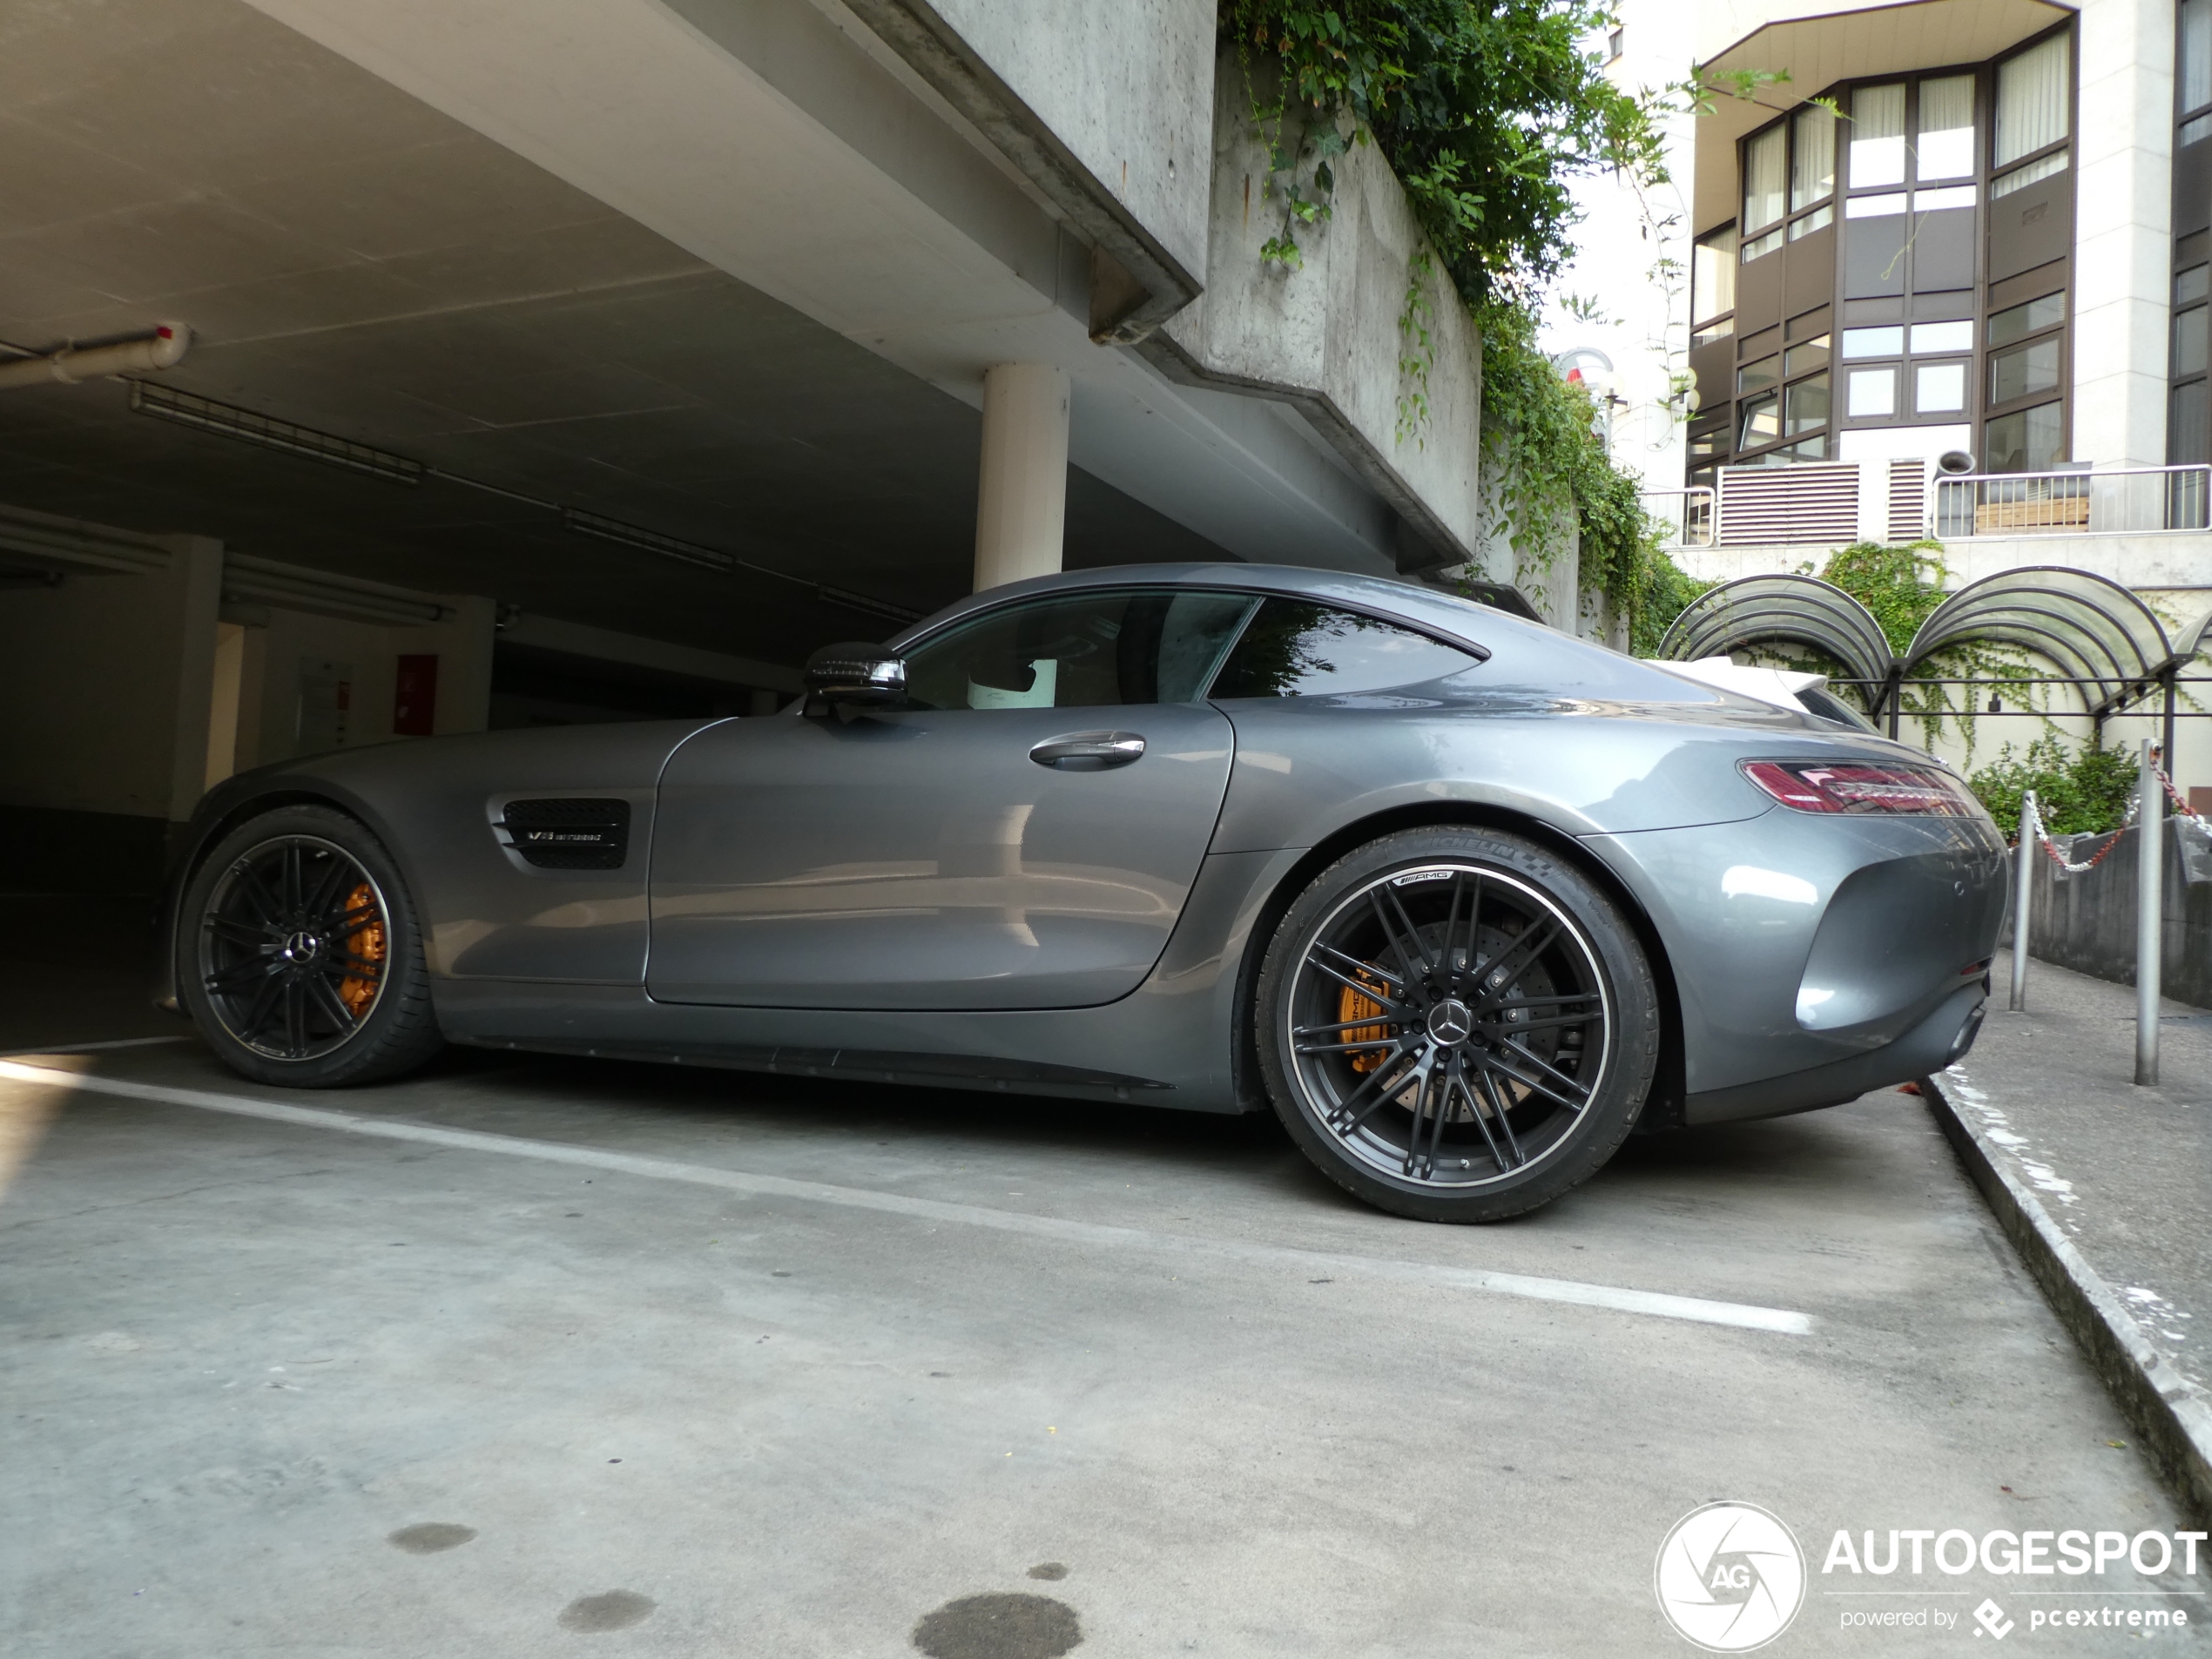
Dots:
pixel 906 647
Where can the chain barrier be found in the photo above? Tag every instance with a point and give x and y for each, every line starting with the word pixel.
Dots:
pixel 2030 810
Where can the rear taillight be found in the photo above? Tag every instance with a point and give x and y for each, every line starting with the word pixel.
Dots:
pixel 1820 786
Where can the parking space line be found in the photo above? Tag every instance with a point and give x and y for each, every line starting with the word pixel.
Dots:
pixel 91 1048
pixel 1656 1304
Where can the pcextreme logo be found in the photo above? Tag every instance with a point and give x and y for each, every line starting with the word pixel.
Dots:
pixel 1730 1577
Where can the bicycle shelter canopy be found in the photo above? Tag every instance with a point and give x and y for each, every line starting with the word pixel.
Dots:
pixel 1755 610
pixel 2103 638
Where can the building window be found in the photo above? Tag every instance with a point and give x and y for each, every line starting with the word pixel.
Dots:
pixel 1812 169
pixel 1712 286
pixel 1765 158
pixel 1946 146
pixel 1760 423
pixel 1873 393
pixel 1877 136
pixel 2193 71
pixel 2186 439
pixel 1943 336
pixel 1874 342
pixel 1804 405
pixel 2034 92
pixel 2026 441
pixel 2021 320
pixel 1938 388
pixel 2026 361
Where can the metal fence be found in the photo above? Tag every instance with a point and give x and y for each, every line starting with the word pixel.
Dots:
pixel 2112 500
pixel 1689 517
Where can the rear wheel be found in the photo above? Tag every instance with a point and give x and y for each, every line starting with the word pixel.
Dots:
pixel 299 957
pixel 1456 1024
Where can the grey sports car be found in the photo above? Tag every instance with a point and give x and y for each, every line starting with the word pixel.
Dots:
pixel 1461 899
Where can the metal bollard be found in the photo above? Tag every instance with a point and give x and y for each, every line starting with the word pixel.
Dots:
pixel 2023 894
pixel 2150 870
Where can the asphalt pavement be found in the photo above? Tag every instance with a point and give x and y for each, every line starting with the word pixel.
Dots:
pixel 525 1356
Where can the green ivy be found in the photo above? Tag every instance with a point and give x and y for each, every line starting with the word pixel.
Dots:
pixel 1486 112
pixel 1901 585
pixel 2084 794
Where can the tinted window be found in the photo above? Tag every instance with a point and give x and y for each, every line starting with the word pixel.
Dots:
pixel 1826 705
pixel 1080 651
pixel 1296 649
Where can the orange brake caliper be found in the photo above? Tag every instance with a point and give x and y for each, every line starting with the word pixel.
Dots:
pixel 354 990
pixel 1352 1005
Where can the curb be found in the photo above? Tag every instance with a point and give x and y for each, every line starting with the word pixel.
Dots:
pixel 2171 1413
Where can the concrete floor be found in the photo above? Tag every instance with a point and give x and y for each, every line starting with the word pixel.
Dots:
pixel 662 1375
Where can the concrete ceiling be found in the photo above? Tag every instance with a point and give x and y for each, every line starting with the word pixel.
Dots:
pixel 352 260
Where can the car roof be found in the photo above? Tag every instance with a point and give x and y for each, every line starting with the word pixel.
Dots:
pixel 1473 623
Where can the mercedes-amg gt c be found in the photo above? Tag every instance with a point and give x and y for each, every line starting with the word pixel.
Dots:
pixel 1461 898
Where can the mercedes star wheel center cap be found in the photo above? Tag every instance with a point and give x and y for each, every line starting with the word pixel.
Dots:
pixel 301 947
pixel 1450 1022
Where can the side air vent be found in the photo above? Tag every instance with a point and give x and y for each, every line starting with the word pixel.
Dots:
pixel 569 834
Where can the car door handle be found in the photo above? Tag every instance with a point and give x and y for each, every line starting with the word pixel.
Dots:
pixel 1088 750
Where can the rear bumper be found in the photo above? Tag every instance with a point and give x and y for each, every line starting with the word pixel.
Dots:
pixel 1815 958
pixel 1941 1038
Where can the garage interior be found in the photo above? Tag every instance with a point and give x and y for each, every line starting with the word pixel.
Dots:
pixel 453 445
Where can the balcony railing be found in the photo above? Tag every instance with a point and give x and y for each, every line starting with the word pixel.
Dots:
pixel 1829 502
pixel 1688 516
pixel 2107 501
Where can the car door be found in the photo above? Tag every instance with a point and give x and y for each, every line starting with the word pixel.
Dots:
pixel 1021 835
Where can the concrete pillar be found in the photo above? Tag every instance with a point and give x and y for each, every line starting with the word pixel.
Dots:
pixel 464 649
pixel 196 572
pixel 2124 250
pixel 1021 505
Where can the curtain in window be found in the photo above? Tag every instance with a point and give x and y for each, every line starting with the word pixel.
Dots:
pixel 1712 275
pixel 1876 136
pixel 2032 100
pixel 1763 167
pixel 1812 166
pixel 2195 67
pixel 1946 147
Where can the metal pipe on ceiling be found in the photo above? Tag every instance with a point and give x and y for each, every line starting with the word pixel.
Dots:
pixel 163 348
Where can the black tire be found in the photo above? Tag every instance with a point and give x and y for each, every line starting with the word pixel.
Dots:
pixel 299 956
pixel 1456 1024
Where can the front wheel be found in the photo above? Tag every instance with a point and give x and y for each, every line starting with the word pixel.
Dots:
pixel 1456 1024
pixel 298 956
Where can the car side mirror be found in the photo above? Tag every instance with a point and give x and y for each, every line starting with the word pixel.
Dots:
pixel 854 675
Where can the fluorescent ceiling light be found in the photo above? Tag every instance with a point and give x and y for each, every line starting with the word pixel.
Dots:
pixel 249 426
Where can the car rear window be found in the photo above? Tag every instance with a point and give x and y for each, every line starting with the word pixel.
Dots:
pixel 1296 647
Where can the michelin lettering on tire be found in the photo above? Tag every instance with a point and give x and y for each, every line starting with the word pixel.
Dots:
pixel 1730 1577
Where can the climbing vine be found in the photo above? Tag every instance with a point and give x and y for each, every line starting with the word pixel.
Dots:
pixel 1902 585
pixel 1486 113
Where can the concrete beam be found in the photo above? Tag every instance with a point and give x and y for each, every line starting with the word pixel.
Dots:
pixel 771 144
pixel 1326 336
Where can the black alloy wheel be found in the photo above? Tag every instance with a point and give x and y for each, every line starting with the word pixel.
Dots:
pixel 293 948
pixel 298 955
pixel 1457 1025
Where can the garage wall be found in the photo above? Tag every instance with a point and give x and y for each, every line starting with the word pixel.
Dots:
pixel 106 680
pixel 298 667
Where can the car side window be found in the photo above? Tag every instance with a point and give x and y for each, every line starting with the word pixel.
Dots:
pixel 1296 647
pixel 1079 651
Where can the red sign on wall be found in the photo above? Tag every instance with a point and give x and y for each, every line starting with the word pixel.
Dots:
pixel 414 705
